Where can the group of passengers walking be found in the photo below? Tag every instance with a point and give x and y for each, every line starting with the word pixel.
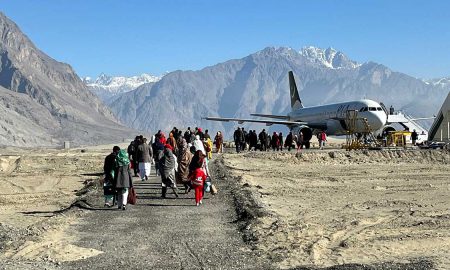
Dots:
pixel 244 140
pixel 180 159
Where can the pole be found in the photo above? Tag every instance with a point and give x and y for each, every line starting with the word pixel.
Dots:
pixel 448 131
pixel 441 134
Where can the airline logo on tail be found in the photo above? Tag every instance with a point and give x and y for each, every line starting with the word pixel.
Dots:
pixel 296 102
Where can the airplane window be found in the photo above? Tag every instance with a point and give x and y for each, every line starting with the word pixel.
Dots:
pixel 362 109
pixel 365 109
pixel 372 109
pixel 379 109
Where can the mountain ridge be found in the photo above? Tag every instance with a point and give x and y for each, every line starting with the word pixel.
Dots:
pixel 73 112
pixel 258 83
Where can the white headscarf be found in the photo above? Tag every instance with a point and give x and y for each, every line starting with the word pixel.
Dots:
pixel 198 144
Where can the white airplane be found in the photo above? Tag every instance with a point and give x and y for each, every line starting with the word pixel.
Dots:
pixel 330 118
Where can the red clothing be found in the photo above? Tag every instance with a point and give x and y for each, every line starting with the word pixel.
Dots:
pixel 323 136
pixel 198 178
pixel 198 193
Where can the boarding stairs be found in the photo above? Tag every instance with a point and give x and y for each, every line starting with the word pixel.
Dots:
pixel 408 122
pixel 362 140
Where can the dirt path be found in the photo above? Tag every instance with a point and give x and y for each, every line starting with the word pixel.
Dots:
pixel 165 234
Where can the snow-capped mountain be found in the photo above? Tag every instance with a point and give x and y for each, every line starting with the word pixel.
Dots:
pixel 329 58
pixel 258 83
pixel 106 87
pixel 440 82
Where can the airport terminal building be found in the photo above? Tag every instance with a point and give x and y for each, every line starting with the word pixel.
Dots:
pixel 440 129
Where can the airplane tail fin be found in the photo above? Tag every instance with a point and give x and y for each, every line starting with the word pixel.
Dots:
pixel 296 102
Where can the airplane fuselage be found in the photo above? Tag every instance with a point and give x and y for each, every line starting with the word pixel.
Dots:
pixel 333 116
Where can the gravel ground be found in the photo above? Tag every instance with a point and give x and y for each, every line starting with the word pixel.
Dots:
pixel 166 234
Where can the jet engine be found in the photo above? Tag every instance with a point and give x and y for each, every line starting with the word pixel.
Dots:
pixel 307 134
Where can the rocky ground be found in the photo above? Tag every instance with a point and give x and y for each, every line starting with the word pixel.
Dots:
pixel 315 210
pixel 359 210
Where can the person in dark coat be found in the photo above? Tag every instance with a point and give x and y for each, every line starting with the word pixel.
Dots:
pixel 122 178
pixel 108 169
pixel 289 141
pixel 132 154
pixel 187 135
pixel 280 138
pixel 254 140
pixel 238 137
pixel 167 165
pixel 414 136
pixel 244 141
pixel 158 151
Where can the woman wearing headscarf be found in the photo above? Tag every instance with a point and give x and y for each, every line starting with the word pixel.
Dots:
pixel 122 178
pixel 158 151
pixel 218 141
pixel 208 147
pixel 184 159
pixel 172 141
pixel 198 144
pixel 167 166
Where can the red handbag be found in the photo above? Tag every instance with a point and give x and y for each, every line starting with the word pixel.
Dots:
pixel 132 196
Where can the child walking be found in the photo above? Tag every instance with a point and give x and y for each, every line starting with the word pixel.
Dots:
pixel 198 178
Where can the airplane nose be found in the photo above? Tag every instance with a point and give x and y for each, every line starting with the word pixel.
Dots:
pixel 379 120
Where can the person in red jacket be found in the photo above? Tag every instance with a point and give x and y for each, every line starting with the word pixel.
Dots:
pixel 198 178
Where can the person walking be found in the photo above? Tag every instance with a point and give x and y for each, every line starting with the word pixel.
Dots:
pixel 109 170
pixel 144 157
pixel 172 142
pixel 238 137
pixel 198 174
pixel 184 160
pixel 300 141
pixel 323 139
pixel 122 178
pixel 289 141
pixel 253 140
pixel 275 142
pixel 414 136
pixel 208 144
pixel 187 135
pixel 158 152
pixel 218 141
pixel 262 136
pixel 198 144
pixel 167 165
pixel 132 154
pixel 280 137
pixel 244 139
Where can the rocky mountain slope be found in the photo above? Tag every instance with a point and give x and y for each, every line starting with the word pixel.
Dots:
pixel 258 83
pixel 43 102
pixel 108 87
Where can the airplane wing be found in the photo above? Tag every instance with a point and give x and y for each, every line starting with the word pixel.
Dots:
pixel 267 122
pixel 321 126
pixel 284 117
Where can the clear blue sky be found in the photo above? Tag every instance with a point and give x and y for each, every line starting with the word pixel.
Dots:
pixel 135 36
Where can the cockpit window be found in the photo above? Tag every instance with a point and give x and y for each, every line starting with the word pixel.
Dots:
pixel 363 109
pixel 379 109
pixel 372 109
